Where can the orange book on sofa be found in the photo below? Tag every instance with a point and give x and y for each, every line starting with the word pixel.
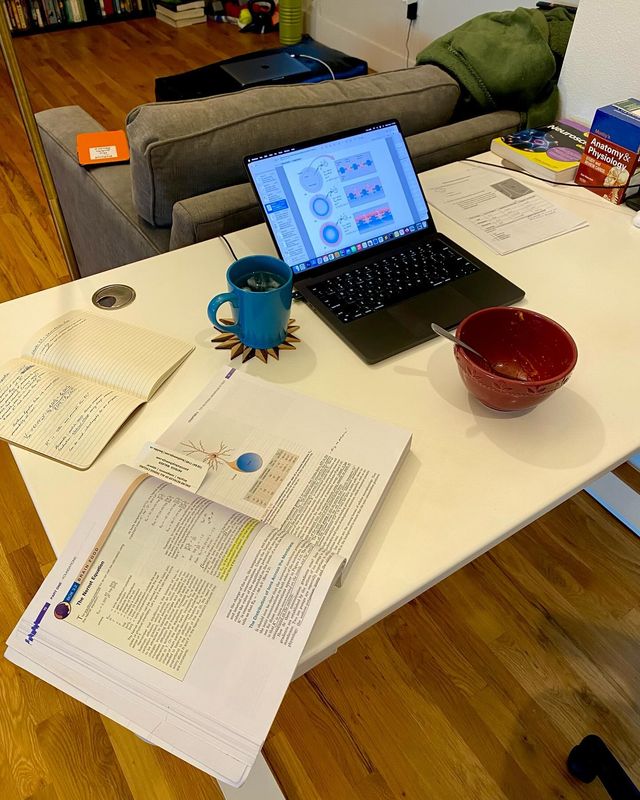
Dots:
pixel 103 147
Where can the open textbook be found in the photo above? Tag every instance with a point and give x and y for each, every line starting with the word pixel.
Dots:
pixel 183 615
pixel 78 380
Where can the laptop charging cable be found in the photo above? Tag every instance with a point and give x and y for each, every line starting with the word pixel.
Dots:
pixel 319 60
pixel 633 201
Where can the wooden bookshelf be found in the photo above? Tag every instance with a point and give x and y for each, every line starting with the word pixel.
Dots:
pixel 25 16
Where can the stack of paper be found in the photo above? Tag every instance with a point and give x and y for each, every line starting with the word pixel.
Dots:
pixel 183 617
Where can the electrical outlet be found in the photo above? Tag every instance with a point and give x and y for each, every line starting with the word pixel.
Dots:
pixel 412 11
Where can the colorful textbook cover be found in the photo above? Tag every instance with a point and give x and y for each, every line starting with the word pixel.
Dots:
pixel 612 156
pixel 552 152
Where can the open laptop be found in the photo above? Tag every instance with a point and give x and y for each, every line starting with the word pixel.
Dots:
pixel 265 69
pixel 349 216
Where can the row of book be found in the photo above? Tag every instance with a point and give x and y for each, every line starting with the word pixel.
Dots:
pixel 25 15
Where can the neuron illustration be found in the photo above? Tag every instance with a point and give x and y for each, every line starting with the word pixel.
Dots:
pixel 247 462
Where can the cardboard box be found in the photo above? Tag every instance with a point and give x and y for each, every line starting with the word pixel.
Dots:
pixel 611 157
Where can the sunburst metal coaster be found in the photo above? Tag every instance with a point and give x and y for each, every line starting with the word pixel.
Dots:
pixel 229 341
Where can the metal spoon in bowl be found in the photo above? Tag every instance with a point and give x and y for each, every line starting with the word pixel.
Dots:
pixel 512 374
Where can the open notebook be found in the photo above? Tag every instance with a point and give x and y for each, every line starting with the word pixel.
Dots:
pixel 78 380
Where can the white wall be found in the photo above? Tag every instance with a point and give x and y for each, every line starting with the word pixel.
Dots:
pixel 602 63
pixel 376 30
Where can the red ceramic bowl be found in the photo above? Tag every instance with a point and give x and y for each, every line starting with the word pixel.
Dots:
pixel 524 343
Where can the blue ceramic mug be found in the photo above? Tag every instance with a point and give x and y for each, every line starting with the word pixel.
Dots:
pixel 260 289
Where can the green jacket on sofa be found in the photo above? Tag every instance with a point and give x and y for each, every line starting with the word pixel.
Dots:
pixel 507 59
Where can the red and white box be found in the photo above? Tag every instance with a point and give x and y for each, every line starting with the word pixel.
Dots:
pixel 612 153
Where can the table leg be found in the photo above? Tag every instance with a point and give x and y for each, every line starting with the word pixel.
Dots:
pixel 260 785
pixel 618 498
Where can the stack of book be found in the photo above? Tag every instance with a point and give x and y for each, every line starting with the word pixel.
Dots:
pixel 180 14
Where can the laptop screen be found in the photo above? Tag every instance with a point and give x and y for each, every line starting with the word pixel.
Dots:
pixel 327 200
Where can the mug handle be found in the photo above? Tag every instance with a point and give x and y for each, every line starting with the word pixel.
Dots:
pixel 212 311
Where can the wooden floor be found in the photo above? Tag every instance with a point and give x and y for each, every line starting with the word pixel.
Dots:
pixel 477 689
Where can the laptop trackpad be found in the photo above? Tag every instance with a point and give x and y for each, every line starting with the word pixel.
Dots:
pixel 446 306
pixel 408 323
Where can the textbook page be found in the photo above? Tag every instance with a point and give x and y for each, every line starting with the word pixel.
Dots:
pixel 189 613
pixel 306 467
pixel 124 356
pixel 58 414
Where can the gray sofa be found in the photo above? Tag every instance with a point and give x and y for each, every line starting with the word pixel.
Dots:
pixel 186 182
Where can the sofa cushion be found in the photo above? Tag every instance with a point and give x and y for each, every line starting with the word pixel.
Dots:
pixel 430 149
pixel 191 147
pixel 223 211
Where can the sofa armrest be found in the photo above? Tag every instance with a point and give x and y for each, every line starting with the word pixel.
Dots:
pixel 214 213
pixel 104 228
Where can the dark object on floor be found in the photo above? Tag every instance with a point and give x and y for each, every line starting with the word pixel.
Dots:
pixel 211 80
pixel 262 13
pixel 592 759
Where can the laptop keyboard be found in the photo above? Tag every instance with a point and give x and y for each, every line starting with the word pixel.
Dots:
pixel 375 285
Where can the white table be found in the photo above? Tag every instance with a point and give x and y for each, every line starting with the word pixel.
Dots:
pixel 473 476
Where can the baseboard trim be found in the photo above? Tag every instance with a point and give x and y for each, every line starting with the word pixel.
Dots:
pixel 378 57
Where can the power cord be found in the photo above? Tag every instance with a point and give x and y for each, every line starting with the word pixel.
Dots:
pixel 226 241
pixel 406 44
pixel 536 177
pixel 319 60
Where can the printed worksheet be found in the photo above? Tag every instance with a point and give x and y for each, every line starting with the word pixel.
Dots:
pixel 501 211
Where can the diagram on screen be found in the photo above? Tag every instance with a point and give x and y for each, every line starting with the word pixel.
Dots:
pixel 331 234
pixel 246 462
pixel 318 178
pixel 321 206
pixel 357 166
pixel 311 178
pixel 363 192
pixel 343 198
pixel 373 218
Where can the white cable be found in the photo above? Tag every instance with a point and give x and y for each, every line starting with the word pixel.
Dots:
pixel 320 61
